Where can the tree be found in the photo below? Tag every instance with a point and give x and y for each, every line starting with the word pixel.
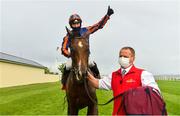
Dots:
pixel 61 67
pixel 47 71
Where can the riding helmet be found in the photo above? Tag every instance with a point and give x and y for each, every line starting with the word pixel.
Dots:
pixel 75 18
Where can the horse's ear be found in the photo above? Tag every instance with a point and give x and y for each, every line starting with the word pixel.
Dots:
pixel 68 31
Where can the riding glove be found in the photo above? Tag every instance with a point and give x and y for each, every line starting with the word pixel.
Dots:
pixel 110 11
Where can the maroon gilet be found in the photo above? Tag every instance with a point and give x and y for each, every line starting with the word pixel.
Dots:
pixel 121 84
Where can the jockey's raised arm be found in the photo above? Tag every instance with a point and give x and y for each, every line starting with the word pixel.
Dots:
pixel 98 25
pixel 75 22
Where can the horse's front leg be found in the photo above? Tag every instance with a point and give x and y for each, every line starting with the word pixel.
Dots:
pixel 92 110
pixel 72 110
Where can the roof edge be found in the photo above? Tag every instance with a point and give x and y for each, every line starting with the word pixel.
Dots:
pixel 20 63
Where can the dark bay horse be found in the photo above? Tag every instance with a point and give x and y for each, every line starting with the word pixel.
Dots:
pixel 79 93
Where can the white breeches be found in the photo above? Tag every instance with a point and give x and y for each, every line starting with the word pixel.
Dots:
pixel 69 63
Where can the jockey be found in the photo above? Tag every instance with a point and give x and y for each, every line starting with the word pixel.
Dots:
pixel 75 23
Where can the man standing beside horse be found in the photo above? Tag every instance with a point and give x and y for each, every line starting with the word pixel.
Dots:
pixel 125 78
pixel 75 23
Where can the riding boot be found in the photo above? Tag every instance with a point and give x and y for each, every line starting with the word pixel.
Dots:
pixel 95 70
pixel 64 78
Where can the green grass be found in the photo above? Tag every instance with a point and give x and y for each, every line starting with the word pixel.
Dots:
pixel 48 99
pixel 171 93
pixel 37 99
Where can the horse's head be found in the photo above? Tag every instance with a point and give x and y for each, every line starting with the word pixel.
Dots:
pixel 79 47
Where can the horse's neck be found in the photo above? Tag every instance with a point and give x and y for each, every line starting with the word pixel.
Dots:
pixel 76 33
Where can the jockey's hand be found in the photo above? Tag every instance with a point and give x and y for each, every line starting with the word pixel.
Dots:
pixel 67 54
pixel 110 11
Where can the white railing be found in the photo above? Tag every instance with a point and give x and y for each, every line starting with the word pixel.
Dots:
pixel 167 77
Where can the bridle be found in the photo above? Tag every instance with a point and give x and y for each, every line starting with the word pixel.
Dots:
pixel 75 71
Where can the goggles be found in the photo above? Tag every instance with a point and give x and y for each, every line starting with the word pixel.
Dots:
pixel 75 22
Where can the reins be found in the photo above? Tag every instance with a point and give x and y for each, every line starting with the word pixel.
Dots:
pixel 93 100
pixel 75 72
pixel 87 90
pixel 111 99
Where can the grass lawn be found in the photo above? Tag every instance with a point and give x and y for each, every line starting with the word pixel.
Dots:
pixel 171 93
pixel 48 99
pixel 45 99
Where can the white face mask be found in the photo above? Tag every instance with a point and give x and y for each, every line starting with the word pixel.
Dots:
pixel 124 62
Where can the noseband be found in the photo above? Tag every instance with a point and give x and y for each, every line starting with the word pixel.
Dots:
pixel 76 73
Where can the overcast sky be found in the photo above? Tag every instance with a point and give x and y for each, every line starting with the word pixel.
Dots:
pixel 33 29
